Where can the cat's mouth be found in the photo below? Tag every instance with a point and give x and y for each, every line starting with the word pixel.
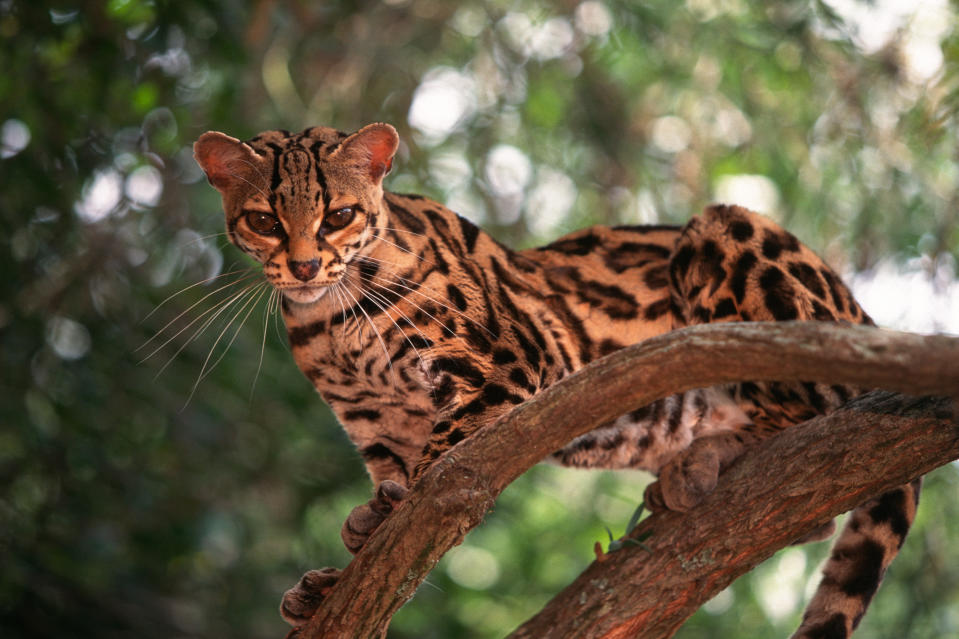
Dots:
pixel 306 294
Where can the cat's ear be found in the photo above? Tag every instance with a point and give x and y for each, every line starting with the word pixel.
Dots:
pixel 226 161
pixel 371 149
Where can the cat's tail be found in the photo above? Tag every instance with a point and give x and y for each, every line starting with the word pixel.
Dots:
pixel 865 548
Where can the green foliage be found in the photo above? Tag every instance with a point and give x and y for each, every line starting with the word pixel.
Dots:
pixel 157 496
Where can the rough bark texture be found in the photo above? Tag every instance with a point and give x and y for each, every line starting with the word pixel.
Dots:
pixel 453 496
pixel 822 468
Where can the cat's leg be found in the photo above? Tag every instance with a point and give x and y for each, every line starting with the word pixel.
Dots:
pixel 366 518
pixel 302 600
pixel 471 401
pixel 693 473
pixel 719 432
pixel 731 264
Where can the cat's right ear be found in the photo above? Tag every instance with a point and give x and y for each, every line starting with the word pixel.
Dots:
pixel 226 161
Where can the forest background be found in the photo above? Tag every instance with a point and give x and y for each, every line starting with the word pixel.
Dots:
pixel 178 493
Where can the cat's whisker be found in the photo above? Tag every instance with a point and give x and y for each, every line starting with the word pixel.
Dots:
pixel 214 312
pixel 278 319
pixel 267 309
pixel 377 288
pixel 418 291
pixel 251 300
pixel 341 295
pixel 228 300
pixel 339 298
pixel 374 295
pixel 385 309
pixel 405 297
pixel 240 177
pixel 258 171
pixel 191 286
pixel 389 360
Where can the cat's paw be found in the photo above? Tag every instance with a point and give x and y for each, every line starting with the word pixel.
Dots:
pixel 685 480
pixel 302 600
pixel 364 519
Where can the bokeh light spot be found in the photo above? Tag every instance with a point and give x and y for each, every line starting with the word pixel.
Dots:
pixel 68 338
pixel 14 137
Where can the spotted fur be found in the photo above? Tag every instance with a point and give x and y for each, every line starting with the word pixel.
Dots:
pixel 418 328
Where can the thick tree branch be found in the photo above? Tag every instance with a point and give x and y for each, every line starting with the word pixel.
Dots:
pixel 822 468
pixel 453 496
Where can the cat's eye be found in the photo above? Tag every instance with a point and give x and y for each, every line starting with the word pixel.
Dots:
pixel 339 218
pixel 263 223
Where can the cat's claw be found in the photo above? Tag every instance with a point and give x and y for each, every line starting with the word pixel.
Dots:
pixel 366 518
pixel 685 480
pixel 302 600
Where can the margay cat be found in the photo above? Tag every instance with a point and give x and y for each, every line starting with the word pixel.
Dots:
pixel 418 328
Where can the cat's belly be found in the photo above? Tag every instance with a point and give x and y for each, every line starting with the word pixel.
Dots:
pixel 649 437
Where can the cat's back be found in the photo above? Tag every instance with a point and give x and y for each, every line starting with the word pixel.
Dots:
pixel 616 279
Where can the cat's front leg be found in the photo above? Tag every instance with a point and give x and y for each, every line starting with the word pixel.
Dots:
pixel 303 600
pixel 468 410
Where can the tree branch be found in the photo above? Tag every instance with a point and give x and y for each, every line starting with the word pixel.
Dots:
pixel 823 468
pixel 453 496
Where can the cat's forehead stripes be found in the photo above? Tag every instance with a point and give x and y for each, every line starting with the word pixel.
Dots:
pixel 317 140
pixel 297 183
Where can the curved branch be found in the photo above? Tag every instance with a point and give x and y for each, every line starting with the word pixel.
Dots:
pixel 823 468
pixel 453 496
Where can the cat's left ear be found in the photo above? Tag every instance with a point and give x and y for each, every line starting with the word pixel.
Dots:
pixel 371 149
pixel 226 161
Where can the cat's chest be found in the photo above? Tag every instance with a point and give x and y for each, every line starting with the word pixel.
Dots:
pixel 357 362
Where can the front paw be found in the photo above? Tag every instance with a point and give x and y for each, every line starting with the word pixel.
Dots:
pixel 685 480
pixel 302 600
pixel 364 519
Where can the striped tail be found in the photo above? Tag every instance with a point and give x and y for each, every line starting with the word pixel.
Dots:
pixel 868 544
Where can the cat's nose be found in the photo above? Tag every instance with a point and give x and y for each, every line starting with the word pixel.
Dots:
pixel 304 271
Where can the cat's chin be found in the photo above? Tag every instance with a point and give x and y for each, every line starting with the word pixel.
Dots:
pixel 305 294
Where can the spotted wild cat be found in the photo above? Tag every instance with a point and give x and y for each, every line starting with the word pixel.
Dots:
pixel 418 328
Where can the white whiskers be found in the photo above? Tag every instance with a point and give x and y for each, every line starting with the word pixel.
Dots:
pixel 399 281
pixel 231 304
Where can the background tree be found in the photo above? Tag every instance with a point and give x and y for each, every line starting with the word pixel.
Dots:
pixel 183 501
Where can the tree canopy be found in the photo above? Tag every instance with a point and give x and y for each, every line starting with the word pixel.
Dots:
pixel 178 493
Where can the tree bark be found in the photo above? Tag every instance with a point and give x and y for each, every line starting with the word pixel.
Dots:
pixel 823 468
pixel 453 496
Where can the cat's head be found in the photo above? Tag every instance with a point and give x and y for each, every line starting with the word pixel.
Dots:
pixel 301 204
